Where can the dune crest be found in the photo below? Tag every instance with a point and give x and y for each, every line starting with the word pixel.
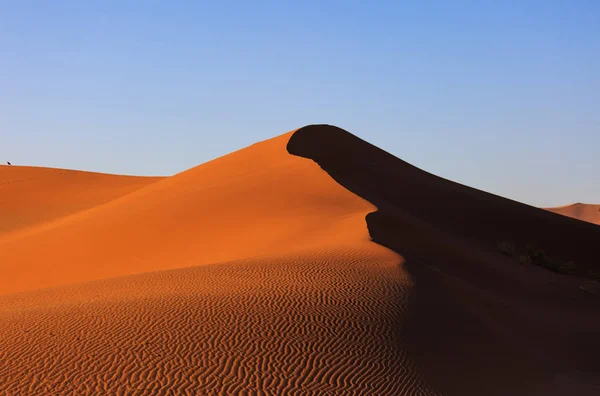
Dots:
pixel 310 263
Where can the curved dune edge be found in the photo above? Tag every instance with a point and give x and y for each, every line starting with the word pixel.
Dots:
pixel 584 212
pixel 472 312
pixel 255 272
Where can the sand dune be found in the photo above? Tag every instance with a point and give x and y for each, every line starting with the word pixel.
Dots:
pixel 33 196
pixel 255 202
pixel 311 263
pixel 579 211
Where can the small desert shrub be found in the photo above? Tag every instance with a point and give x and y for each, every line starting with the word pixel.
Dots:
pixel 506 248
pixel 525 259
pixel 567 267
pixel 536 257
pixel 539 257
pixel 551 264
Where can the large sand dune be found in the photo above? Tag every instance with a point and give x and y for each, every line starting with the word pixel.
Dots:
pixel 311 263
pixel 580 211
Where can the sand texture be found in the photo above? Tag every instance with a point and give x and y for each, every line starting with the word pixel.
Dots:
pixel 311 263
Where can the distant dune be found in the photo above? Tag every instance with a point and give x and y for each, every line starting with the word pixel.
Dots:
pixel 33 196
pixel 579 211
pixel 311 263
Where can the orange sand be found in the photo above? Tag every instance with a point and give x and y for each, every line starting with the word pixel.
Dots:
pixel 32 196
pixel 256 273
pixel 579 211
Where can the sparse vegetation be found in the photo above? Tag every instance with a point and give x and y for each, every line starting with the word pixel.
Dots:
pixel 539 257
pixel 525 259
pixel 536 257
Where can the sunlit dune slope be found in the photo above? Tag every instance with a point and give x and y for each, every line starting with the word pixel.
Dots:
pixel 579 211
pixel 31 196
pixel 282 290
pixel 311 263
pixel 254 202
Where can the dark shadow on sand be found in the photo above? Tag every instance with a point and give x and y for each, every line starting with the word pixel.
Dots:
pixel 477 322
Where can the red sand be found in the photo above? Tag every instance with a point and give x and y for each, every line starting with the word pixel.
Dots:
pixel 256 272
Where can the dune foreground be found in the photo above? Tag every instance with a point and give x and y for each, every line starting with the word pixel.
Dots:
pixel 311 263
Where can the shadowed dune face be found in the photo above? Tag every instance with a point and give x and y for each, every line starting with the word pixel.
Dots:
pixel 383 179
pixel 579 211
pixel 476 323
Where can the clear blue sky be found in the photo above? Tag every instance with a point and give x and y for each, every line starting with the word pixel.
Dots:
pixel 500 95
